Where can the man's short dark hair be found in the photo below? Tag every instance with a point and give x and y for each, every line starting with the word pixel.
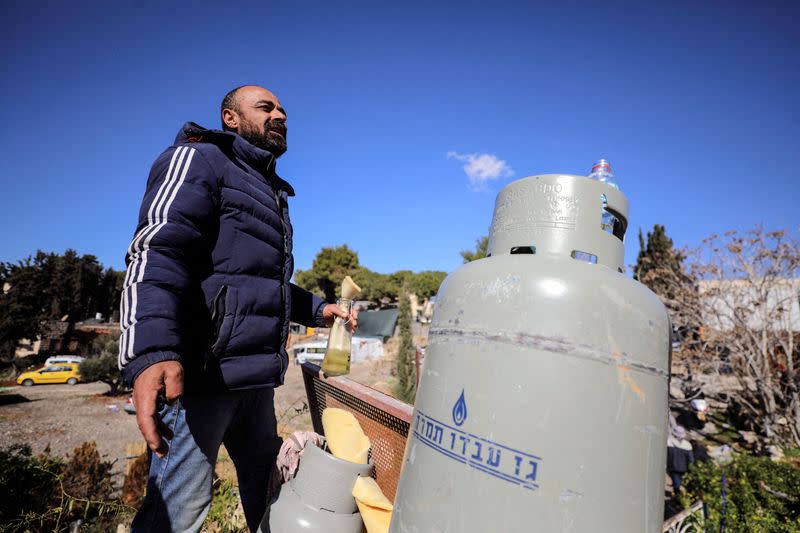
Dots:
pixel 230 102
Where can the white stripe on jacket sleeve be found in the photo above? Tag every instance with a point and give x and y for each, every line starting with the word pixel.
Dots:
pixel 157 218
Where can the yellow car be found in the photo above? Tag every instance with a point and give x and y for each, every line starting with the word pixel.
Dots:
pixel 62 373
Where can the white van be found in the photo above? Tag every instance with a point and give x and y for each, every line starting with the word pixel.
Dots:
pixel 313 351
pixel 61 359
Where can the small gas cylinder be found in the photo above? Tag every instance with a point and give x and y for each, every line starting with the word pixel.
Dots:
pixel 542 405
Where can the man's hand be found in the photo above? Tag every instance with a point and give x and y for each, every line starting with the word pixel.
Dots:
pixel 331 311
pixel 164 379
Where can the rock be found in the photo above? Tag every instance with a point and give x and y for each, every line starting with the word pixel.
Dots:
pixel 721 454
pixel 775 453
pixel 716 405
pixel 782 421
pixel 675 391
pixel 710 428
pixel 749 437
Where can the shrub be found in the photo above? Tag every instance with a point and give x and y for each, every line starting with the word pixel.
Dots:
pixel 102 368
pixel 133 487
pixel 28 485
pixel 87 477
pixel 46 494
pixel 102 364
pixel 226 514
pixel 760 495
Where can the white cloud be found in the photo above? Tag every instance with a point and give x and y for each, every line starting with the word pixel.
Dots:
pixel 482 168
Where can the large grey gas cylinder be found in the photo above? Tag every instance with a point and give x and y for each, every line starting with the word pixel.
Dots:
pixel 542 405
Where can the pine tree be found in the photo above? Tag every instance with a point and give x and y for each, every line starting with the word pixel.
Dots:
pixel 49 286
pixel 660 267
pixel 405 387
pixel 657 259
pixel 481 250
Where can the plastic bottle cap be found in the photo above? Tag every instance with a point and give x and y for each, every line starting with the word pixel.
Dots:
pixel 602 164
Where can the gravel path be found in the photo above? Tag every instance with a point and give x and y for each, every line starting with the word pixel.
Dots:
pixel 64 417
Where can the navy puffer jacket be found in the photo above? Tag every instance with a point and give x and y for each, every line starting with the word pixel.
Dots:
pixel 208 272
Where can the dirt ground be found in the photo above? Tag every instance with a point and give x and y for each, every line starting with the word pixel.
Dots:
pixel 291 406
pixel 63 416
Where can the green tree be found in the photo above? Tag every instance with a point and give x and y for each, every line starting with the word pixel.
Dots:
pixel 23 303
pixel 660 267
pixel 657 257
pixel 375 286
pixel 308 280
pixel 426 284
pixel 50 286
pixel 405 387
pixel 481 250
pixel 329 268
pixel 75 289
pixel 331 265
pixel 109 293
pixel 400 279
pixel 102 364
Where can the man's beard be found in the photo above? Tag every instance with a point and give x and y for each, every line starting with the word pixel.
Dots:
pixel 274 143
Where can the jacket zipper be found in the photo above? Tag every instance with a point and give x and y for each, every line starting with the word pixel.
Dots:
pixel 283 272
pixel 216 316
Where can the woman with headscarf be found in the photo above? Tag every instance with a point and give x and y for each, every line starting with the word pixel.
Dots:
pixel 679 456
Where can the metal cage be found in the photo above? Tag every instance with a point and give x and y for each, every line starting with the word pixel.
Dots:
pixel 384 419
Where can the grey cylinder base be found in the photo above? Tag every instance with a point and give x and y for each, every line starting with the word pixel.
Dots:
pixel 319 498
pixel 326 482
pixel 290 515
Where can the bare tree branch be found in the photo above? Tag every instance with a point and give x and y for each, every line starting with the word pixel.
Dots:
pixel 739 301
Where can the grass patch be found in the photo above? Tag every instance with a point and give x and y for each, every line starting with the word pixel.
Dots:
pixel 792 453
pixel 226 514
pixel 727 432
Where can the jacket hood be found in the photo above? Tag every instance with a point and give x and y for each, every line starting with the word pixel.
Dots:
pixel 260 159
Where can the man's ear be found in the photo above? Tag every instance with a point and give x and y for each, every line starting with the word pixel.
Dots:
pixel 231 119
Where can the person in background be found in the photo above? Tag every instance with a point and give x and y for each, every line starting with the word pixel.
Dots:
pixel 679 456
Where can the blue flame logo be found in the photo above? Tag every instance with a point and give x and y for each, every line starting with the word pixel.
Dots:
pixel 460 410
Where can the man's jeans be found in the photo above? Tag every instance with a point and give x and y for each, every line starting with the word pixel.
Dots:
pixel 180 484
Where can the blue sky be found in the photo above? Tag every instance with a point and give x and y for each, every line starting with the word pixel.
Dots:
pixel 696 104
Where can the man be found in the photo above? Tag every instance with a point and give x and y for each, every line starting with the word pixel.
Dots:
pixel 206 308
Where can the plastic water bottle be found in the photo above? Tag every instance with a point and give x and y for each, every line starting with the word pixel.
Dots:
pixel 601 171
pixel 340 340
pixel 337 356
